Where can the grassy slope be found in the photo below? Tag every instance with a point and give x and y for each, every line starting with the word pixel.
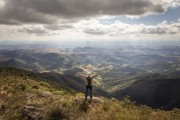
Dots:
pixel 25 96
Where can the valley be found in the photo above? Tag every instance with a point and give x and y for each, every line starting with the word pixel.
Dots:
pixel 123 70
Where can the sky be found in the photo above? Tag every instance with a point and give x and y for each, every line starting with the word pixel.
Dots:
pixel 94 20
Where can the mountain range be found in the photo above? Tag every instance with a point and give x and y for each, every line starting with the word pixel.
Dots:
pixel 149 75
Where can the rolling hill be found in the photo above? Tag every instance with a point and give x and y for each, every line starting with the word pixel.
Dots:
pixel 157 92
pixel 123 70
pixel 25 95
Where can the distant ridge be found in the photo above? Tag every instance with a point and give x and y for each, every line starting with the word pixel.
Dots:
pixel 161 93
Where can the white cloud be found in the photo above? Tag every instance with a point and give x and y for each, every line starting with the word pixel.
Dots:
pixel 168 3
pixel 92 29
pixel 119 28
pixel 2 2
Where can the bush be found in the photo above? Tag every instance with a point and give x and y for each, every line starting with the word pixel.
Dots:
pixel 44 84
pixel 127 100
pixel 35 87
pixel 84 106
pixel 25 77
pixel 57 114
pixel 106 107
pixel 5 87
pixel 22 87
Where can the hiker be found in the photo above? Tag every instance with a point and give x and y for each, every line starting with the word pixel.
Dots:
pixel 89 84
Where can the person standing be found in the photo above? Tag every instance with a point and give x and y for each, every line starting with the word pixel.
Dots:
pixel 89 79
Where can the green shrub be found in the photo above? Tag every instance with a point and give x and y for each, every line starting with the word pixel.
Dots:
pixel 25 77
pixel 22 87
pixel 127 100
pixel 57 114
pixel 106 107
pixel 5 87
pixel 84 107
pixel 44 84
pixel 35 87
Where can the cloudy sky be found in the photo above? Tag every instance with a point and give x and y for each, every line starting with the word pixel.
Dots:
pixel 89 20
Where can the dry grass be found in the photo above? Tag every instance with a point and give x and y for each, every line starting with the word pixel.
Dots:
pixel 47 103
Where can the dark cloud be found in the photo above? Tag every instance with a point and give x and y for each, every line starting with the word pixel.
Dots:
pixel 50 11
pixel 58 27
pixel 95 32
pixel 31 30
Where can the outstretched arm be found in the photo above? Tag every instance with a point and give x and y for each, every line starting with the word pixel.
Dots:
pixel 95 75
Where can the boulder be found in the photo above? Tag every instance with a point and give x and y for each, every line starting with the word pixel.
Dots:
pixel 31 113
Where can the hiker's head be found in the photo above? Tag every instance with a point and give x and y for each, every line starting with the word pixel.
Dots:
pixel 89 74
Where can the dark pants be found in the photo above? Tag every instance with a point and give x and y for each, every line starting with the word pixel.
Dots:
pixel 88 91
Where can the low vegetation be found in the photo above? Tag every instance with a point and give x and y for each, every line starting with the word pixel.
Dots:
pixel 24 96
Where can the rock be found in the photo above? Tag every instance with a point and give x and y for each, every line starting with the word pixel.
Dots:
pixel 9 95
pixel 29 96
pixel 45 94
pixel 113 99
pixel 97 100
pixel 29 108
pixel 4 92
pixel 31 113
